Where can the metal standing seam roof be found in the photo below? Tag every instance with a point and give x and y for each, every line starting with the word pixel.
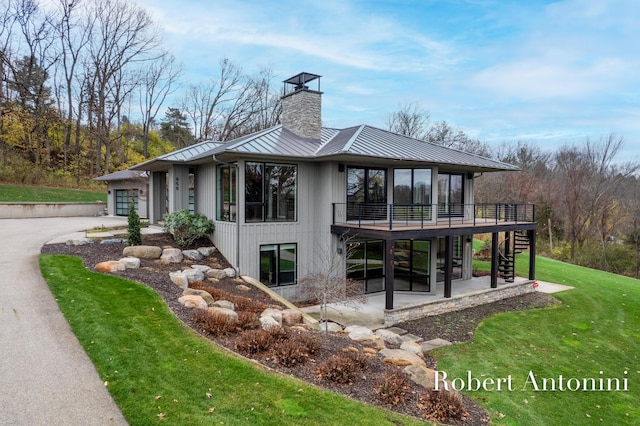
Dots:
pixel 123 175
pixel 362 141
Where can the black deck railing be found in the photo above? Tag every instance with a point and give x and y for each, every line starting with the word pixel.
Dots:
pixel 390 216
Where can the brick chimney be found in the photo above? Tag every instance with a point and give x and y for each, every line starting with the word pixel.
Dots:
pixel 301 106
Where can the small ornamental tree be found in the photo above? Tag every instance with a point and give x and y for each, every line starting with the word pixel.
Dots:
pixel 135 237
pixel 187 227
pixel 331 284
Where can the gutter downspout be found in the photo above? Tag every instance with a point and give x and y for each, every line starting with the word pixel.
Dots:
pixel 237 268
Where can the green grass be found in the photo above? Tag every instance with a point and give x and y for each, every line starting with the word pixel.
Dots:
pixel 596 329
pixel 25 193
pixel 152 364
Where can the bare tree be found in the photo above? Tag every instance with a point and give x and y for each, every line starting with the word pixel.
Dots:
pixel 124 37
pixel 29 73
pixel 331 284
pixel 587 176
pixel 441 133
pixel 157 82
pixel 410 120
pixel 204 103
pixel 74 32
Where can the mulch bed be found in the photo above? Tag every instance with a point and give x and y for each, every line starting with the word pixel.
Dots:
pixel 455 326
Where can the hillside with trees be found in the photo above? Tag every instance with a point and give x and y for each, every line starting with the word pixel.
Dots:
pixel 74 73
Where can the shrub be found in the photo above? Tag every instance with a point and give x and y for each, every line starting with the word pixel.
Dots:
pixel 297 349
pixel 135 236
pixel 359 359
pixel 216 293
pixel 393 388
pixel 290 353
pixel 338 369
pixel 309 341
pixel 442 405
pixel 187 227
pixel 215 323
pixel 254 341
pixel 246 304
pixel 248 320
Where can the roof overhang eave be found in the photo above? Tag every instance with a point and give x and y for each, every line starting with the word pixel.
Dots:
pixel 154 165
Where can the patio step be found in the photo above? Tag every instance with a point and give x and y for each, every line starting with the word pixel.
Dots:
pixel 434 343
pixel 399 331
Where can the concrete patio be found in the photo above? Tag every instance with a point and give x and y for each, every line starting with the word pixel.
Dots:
pixel 372 313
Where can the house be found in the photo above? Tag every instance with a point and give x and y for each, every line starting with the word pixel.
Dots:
pixel 397 213
pixel 126 187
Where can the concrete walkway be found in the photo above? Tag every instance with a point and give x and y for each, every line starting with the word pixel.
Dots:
pixel 46 378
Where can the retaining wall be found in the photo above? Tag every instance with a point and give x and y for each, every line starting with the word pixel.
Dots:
pixel 457 303
pixel 31 210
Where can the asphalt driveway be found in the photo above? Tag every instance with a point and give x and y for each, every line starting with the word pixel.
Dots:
pixel 46 378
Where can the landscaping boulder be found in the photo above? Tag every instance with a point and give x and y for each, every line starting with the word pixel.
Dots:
pixel 222 311
pixel 330 326
pixel 269 323
pixel 420 375
pixel 401 358
pixel 110 266
pixel 192 254
pixel 390 337
pixel 224 304
pixel 358 333
pixel 143 252
pixel 414 347
pixel 291 316
pixel 113 241
pixel 79 241
pixel 207 251
pixel 179 278
pixel 193 301
pixel 130 262
pixel 216 273
pixel 230 272
pixel 203 268
pixel 193 274
pixel 202 293
pixel 172 255
pixel 273 313
pixel 242 287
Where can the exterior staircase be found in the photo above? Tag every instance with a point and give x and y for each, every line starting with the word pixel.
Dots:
pixel 513 244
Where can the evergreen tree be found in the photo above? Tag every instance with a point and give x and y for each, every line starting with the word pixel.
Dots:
pixel 135 237
pixel 175 128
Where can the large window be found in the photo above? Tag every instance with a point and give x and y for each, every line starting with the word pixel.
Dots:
pixel 450 195
pixel 278 264
pixel 366 193
pixel 226 194
pixel 412 194
pixel 270 192
pixel 412 260
pixel 124 197
pixel 365 262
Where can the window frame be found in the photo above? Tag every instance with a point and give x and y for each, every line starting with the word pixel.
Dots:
pixel 275 260
pixel 263 208
pixel 227 192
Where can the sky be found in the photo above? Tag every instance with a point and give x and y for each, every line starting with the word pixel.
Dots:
pixel 548 73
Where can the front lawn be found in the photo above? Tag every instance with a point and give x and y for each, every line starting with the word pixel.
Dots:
pixel 42 194
pixel 594 334
pixel 160 372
